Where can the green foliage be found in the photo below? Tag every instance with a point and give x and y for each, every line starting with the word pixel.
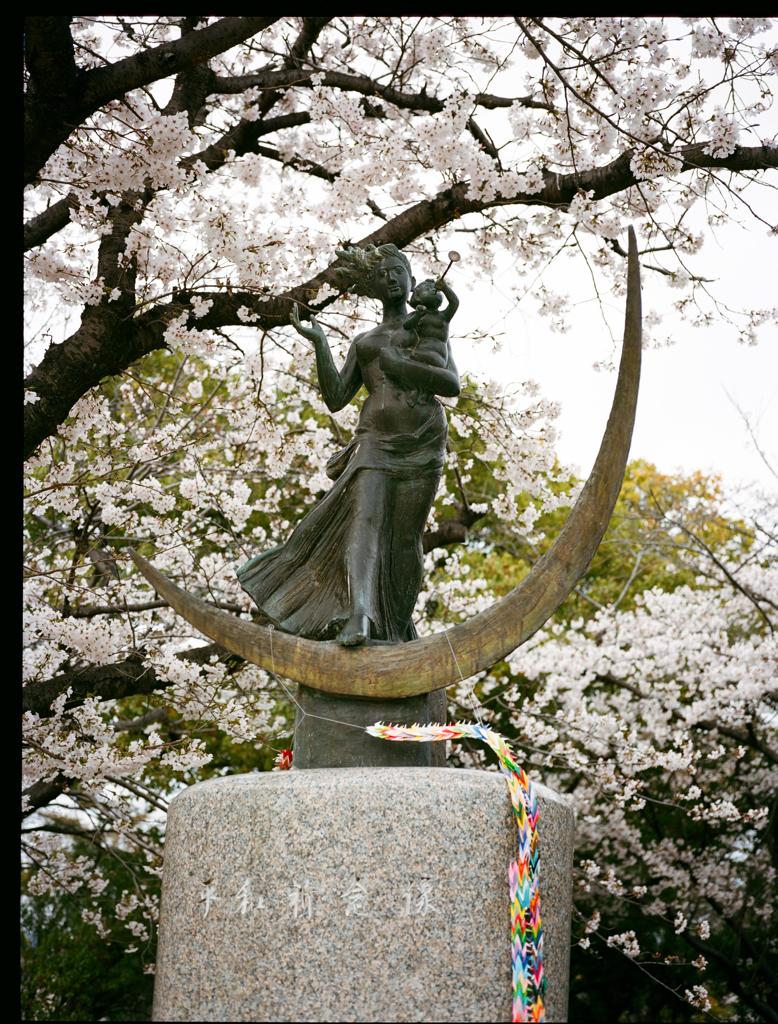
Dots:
pixel 68 971
pixel 659 522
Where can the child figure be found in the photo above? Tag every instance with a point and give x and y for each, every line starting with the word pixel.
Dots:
pixel 428 324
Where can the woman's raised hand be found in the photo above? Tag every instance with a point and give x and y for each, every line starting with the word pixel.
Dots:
pixel 313 333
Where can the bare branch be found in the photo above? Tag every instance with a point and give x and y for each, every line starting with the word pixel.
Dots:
pixel 106 682
pixel 752 435
pixel 163 714
pixel 366 86
pixel 89 611
pixel 46 224
pixel 756 599
pixel 745 735
pixel 52 114
pixel 39 794
pixel 453 530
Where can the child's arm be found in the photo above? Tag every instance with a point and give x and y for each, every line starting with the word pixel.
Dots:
pixel 411 321
pixel 453 301
pixel 429 356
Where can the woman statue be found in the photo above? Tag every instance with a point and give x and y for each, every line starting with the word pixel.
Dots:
pixel 352 568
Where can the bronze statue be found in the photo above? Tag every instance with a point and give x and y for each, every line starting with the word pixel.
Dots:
pixel 352 568
pixel 407 669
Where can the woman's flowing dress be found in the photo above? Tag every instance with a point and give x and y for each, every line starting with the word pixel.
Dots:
pixel 302 587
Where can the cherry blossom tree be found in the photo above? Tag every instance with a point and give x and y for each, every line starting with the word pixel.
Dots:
pixel 655 708
pixel 187 180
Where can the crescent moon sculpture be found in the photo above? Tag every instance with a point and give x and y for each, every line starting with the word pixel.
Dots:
pixel 433 662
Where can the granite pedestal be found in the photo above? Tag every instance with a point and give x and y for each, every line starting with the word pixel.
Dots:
pixel 352 894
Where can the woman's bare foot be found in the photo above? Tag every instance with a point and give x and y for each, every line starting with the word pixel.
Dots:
pixel 355 632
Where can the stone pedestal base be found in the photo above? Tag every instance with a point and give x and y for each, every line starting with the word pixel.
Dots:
pixel 352 894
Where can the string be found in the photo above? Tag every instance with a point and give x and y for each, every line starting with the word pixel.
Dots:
pixel 476 705
pixel 470 688
pixel 573 766
pixel 295 701
pixel 475 702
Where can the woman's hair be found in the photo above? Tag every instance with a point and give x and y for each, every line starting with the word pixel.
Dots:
pixel 360 265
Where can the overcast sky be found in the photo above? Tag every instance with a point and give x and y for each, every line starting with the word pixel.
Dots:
pixel 687 418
